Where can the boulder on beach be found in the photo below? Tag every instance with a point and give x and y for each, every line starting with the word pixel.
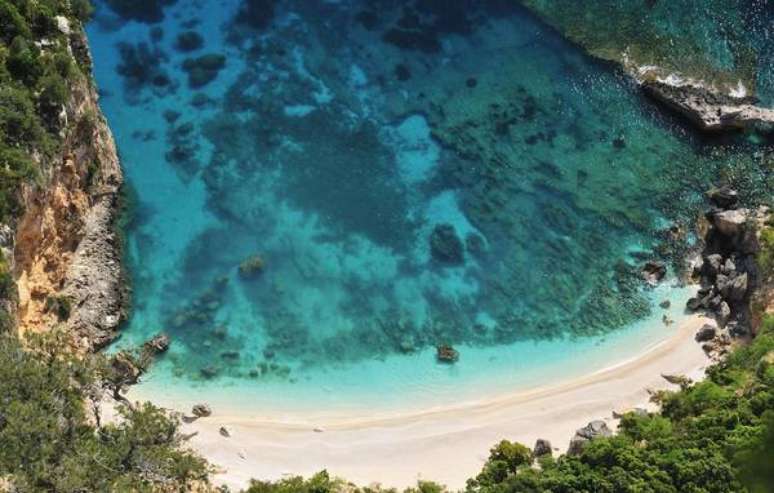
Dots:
pixel 705 333
pixel 542 447
pixel 583 436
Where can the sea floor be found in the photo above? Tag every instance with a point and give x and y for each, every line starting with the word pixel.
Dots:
pixel 322 192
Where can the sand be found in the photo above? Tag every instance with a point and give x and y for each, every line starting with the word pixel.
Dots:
pixel 447 445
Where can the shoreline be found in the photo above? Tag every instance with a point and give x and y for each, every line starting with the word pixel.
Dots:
pixel 404 447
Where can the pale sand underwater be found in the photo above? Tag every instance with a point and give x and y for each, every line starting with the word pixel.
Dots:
pixel 446 444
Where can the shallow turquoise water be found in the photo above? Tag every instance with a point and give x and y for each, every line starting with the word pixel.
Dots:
pixel 333 142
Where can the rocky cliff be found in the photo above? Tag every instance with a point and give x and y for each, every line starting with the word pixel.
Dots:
pixel 66 250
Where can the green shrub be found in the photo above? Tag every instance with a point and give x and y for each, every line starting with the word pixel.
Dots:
pixel 82 10
pixel 24 62
pixel 19 123
pixel 12 23
pixel 48 444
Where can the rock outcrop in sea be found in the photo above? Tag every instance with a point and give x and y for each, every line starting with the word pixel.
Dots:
pixel 679 67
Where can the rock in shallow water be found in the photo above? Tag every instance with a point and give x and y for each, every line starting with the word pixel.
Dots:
pixel 447 354
pixel 653 272
pixel 445 246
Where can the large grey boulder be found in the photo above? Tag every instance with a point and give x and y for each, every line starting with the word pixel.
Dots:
pixel 542 447
pixel 723 314
pixel 201 410
pixel 735 288
pixel 724 197
pixel 730 223
pixel 705 333
pixel 594 429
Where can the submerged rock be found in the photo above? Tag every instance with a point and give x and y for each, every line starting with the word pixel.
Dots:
pixel 158 344
pixel 189 41
pixel 447 354
pixel 251 267
pixel 209 371
pixel 204 69
pixel 445 246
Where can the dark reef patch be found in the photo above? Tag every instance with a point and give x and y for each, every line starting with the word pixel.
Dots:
pixel 142 66
pixel 256 14
pixel 147 11
pixel 204 69
pixel 189 41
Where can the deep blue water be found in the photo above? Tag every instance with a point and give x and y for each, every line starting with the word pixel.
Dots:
pixel 401 176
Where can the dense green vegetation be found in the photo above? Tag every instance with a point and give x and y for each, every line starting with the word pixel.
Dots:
pixel 36 70
pixel 714 436
pixel 49 443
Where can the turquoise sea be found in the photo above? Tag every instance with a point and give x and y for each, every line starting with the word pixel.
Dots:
pixel 399 175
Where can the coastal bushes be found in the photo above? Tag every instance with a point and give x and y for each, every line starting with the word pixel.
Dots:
pixel 714 436
pixel 36 71
pixel 51 443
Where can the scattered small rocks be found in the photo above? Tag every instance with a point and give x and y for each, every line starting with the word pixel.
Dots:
pixel 224 432
pixel 665 304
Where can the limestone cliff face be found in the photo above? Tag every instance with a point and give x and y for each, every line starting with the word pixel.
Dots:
pixel 67 255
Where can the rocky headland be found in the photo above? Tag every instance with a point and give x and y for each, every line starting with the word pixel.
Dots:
pixel 713 86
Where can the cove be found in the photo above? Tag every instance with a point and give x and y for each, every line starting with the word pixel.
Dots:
pixel 325 191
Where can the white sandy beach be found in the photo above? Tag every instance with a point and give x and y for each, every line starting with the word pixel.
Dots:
pixel 447 444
